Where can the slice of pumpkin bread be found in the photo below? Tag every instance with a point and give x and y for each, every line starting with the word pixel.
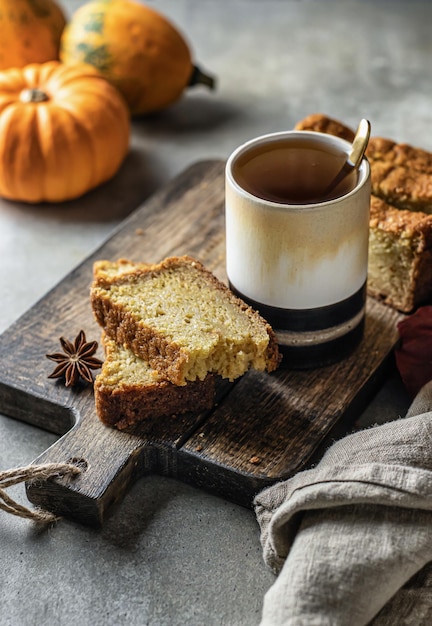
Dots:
pixel 181 319
pixel 128 391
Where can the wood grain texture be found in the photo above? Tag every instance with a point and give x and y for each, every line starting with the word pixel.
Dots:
pixel 264 427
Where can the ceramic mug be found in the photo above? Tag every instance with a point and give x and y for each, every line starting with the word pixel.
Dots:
pixel 295 251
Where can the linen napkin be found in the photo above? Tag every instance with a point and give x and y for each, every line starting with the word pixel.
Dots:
pixel 347 535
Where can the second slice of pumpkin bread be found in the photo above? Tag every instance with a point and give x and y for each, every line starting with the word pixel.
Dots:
pixel 181 319
pixel 127 391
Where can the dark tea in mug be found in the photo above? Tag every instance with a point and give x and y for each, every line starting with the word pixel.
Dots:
pixel 294 252
pixel 295 171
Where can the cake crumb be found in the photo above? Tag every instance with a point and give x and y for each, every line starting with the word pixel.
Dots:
pixel 255 460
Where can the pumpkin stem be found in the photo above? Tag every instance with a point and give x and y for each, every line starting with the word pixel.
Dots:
pixel 201 78
pixel 33 95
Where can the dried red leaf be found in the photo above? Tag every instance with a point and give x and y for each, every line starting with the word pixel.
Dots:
pixel 414 352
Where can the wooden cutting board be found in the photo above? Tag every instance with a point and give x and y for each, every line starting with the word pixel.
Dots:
pixel 264 427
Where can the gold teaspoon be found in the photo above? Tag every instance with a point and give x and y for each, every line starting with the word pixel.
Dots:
pixel 355 156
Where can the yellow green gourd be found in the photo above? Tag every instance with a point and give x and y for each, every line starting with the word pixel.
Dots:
pixel 137 50
pixel 30 32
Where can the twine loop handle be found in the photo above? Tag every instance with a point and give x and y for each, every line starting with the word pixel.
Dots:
pixel 8 478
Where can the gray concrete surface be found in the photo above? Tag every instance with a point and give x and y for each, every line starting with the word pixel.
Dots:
pixel 173 554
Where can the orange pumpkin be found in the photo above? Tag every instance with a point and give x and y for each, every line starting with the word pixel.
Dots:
pixel 136 48
pixel 63 131
pixel 30 32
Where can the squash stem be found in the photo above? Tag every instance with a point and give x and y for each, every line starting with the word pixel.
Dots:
pixel 201 78
pixel 33 95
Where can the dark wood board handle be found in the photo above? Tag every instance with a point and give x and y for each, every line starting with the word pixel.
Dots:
pixel 264 427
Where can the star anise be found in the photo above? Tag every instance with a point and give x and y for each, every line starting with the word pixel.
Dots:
pixel 76 361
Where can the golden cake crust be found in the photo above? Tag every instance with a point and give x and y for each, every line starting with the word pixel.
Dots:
pixel 402 223
pixel 320 123
pixel 401 174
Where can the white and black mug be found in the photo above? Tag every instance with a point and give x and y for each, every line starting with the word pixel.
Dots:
pixel 294 252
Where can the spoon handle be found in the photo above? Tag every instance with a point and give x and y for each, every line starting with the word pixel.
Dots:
pixel 355 156
pixel 360 143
